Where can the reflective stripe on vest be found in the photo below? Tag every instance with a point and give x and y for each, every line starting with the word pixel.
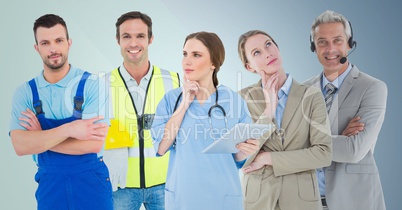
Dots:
pixel 144 168
pixel 148 152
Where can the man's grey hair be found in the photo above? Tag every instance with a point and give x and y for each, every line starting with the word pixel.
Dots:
pixel 331 17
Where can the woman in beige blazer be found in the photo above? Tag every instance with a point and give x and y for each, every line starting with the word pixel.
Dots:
pixel 282 175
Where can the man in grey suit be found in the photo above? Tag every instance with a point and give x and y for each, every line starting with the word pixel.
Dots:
pixel 356 104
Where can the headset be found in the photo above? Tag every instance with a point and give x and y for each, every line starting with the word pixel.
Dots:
pixel 351 43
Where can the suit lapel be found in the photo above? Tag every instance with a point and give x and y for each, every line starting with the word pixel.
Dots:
pixel 294 99
pixel 316 82
pixel 344 90
pixel 257 96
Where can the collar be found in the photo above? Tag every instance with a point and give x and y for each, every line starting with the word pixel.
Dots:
pixel 62 83
pixel 338 81
pixel 285 89
pixel 127 77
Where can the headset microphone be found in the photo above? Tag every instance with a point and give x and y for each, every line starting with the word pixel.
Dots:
pixel 344 59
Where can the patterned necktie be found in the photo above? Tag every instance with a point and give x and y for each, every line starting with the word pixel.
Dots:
pixel 331 90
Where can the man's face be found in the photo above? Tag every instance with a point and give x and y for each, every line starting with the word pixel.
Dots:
pixel 53 46
pixel 133 41
pixel 331 45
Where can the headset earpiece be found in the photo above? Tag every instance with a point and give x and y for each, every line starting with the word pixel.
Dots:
pixel 312 45
pixel 351 43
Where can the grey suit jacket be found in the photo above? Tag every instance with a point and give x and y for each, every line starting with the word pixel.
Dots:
pixel 291 182
pixel 352 180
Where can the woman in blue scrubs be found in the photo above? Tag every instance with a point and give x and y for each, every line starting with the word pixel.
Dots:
pixel 183 126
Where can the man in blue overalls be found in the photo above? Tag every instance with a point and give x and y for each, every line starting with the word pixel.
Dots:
pixel 57 117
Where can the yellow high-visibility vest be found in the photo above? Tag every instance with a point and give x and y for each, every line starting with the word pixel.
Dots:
pixel 128 129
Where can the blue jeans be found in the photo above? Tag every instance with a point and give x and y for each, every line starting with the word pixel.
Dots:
pixel 153 198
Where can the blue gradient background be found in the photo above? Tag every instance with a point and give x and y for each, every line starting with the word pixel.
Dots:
pixel 376 26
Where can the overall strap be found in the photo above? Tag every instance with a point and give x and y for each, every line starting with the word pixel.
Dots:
pixel 79 96
pixel 37 103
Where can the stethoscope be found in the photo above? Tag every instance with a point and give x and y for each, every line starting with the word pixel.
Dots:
pixel 215 106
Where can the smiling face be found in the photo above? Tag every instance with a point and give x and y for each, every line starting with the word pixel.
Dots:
pixel 196 63
pixel 262 55
pixel 331 45
pixel 134 42
pixel 53 46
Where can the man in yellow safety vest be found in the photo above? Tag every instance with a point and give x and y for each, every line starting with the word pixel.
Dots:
pixel 136 87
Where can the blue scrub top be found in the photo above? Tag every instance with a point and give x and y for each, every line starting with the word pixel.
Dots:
pixel 196 180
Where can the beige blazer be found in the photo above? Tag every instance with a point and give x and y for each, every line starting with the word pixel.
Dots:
pixel 291 182
pixel 352 181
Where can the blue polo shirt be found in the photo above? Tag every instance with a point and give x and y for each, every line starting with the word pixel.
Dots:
pixel 58 99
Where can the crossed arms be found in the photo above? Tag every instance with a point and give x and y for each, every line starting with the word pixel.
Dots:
pixel 74 138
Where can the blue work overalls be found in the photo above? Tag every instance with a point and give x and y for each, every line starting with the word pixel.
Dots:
pixel 70 182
